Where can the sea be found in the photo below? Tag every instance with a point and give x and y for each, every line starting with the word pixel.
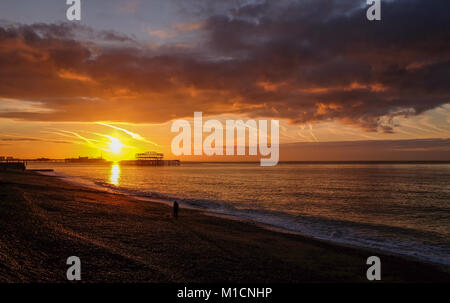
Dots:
pixel 393 207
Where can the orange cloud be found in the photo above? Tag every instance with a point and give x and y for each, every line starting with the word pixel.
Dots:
pixel 64 74
pixel 254 63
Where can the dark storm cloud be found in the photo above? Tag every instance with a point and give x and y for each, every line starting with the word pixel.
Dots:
pixel 305 61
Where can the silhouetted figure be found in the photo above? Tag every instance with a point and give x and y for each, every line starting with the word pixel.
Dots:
pixel 175 209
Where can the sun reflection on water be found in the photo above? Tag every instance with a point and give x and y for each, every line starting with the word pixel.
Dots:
pixel 115 175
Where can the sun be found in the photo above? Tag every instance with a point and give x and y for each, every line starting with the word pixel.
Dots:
pixel 115 146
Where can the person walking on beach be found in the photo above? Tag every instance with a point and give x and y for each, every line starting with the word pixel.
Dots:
pixel 175 209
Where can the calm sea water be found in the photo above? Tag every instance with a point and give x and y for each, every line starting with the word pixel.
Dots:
pixel 400 208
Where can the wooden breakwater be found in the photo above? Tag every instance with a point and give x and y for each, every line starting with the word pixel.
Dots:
pixel 151 162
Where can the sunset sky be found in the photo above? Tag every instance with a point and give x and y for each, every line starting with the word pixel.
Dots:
pixel 342 87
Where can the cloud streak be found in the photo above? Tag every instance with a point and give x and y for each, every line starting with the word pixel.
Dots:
pixel 135 136
pixel 19 138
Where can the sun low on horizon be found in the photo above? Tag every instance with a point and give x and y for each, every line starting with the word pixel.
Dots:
pixel 119 144
pixel 115 146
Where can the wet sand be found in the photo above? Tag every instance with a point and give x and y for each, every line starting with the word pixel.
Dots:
pixel 44 220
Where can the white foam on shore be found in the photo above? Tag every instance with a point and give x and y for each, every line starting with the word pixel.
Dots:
pixel 281 222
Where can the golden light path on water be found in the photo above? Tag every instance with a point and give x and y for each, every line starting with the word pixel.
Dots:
pixel 115 174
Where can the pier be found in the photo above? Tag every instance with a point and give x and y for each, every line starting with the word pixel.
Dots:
pixel 150 159
pixel 151 162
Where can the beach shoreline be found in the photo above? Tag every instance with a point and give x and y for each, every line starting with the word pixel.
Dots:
pixel 121 238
